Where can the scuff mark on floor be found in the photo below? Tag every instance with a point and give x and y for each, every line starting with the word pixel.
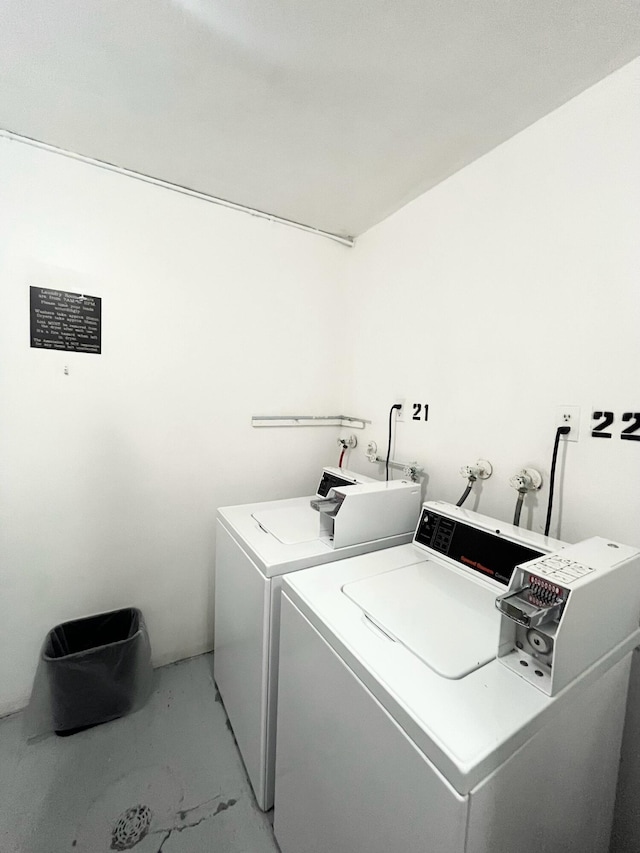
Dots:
pixel 181 816
pixel 230 729
pixel 224 806
pixel 166 838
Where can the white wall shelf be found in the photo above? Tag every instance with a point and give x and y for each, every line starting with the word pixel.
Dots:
pixel 307 420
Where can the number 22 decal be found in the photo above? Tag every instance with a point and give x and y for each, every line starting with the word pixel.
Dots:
pixel 629 433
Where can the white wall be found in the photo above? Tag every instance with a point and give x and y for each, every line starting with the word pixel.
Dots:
pixel 506 291
pixel 111 475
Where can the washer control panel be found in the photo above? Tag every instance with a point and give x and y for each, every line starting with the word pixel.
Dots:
pixel 559 570
pixel 486 552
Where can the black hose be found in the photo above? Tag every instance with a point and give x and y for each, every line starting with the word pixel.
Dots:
pixel 395 406
pixel 563 430
pixel 519 502
pixel 467 491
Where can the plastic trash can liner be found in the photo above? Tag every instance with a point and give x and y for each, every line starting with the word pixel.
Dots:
pixel 91 670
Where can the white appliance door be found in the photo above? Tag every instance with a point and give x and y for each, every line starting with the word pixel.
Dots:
pixel 445 618
pixel 241 652
pixel 348 779
pixel 290 525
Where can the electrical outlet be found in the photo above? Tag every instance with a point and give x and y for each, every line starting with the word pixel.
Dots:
pixel 569 416
pixel 400 413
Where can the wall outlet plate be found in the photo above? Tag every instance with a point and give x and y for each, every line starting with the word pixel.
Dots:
pixel 402 413
pixel 569 416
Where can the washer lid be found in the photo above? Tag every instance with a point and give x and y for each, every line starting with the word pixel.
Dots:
pixel 447 620
pixel 290 525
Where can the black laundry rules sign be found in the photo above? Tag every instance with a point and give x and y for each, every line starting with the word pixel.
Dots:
pixel 69 322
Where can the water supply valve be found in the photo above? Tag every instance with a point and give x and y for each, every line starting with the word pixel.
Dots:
pixel 482 470
pixel 349 442
pixel 527 480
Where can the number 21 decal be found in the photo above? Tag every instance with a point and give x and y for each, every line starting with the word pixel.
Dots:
pixel 420 411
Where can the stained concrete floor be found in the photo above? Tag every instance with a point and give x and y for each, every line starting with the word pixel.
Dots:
pixel 169 775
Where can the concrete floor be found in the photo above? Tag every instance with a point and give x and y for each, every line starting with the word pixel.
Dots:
pixel 167 779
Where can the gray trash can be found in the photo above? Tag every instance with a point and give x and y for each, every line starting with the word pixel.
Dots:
pixel 97 668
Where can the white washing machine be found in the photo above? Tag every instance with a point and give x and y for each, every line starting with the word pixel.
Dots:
pixel 414 715
pixel 255 545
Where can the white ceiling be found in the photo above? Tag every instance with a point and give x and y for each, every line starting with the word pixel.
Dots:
pixel 332 113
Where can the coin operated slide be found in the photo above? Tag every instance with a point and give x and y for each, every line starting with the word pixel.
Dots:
pixel 565 611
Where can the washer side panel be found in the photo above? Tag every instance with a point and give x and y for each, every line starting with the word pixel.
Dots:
pixel 556 793
pixel 240 661
pixel 348 778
